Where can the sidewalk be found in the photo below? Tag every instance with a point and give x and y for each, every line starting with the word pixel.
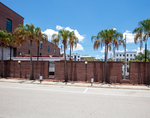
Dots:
pixel 95 85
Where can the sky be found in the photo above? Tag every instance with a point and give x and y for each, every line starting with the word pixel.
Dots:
pixel 86 18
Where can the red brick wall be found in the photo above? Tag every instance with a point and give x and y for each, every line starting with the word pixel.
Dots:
pixel 78 72
pixel 12 69
pixel 5 13
pixel 139 72
pixel 44 51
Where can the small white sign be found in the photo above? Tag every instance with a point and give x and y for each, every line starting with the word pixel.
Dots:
pixel 41 77
pixel 92 80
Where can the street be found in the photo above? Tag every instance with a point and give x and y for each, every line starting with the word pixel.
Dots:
pixel 49 101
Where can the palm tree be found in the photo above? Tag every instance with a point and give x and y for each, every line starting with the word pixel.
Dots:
pixel 63 36
pixel 10 43
pixel 73 40
pixel 5 39
pixel 142 33
pixel 40 38
pixel 23 33
pixel 109 38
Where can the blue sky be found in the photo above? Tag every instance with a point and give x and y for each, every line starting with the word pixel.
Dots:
pixel 85 17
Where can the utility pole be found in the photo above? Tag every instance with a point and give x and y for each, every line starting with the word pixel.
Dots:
pixel 125 60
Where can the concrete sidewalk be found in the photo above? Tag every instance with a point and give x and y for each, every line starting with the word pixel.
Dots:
pixel 100 85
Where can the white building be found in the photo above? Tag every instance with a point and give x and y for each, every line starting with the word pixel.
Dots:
pixel 130 55
pixel 77 57
pixel 74 56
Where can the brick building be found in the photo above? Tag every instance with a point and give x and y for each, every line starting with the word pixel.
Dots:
pixel 44 49
pixel 9 20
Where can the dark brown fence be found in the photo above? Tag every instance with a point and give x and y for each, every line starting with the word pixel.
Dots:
pixel 139 72
pixel 77 71
pixel 13 69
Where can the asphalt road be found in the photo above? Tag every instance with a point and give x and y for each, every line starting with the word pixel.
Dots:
pixel 45 101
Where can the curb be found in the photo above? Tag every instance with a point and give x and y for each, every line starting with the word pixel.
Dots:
pixel 43 83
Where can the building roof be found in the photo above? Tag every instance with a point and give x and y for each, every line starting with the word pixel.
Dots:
pixel 126 52
pixel 44 56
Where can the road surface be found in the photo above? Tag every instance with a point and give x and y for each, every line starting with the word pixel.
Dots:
pixel 46 101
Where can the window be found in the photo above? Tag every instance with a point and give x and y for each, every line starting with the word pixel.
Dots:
pixel 8 25
pixel 78 59
pixel 134 55
pixel 74 57
pixel 78 56
pixel 123 54
pixel 127 55
pixel 40 45
pixel 28 51
pixel 130 58
pixel 40 54
pixel 130 55
pixel 48 48
pixel 54 51
pixel 29 43
pixel 117 55
pixel 71 56
pixel 120 55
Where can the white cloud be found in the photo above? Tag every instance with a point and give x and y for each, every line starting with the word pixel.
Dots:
pixel 99 57
pixel 79 47
pixel 114 28
pixel 49 33
pixel 138 50
pixel 129 36
pixel 59 27
pixel 80 37
pixel 103 50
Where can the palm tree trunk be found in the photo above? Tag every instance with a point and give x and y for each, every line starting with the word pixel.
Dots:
pixel 70 52
pixel 38 53
pixel 66 73
pixel 10 52
pixel 145 49
pixel 2 63
pixel 106 51
pixel 114 55
pixel 71 65
pixel 31 65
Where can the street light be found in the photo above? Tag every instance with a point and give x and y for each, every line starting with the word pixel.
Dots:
pixel 86 69
pixel 19 62
pixel 86 64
